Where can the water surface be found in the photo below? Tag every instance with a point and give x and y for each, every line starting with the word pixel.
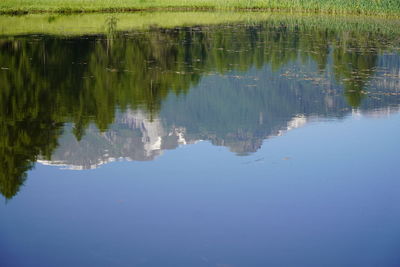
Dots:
pixel 237 144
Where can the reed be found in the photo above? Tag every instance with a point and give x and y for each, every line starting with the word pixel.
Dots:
pixel 375 7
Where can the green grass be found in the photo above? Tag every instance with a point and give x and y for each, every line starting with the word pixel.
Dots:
pixel 376 7
pixel 96 23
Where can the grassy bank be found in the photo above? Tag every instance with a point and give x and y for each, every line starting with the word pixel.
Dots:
pixel 80 24
pixel 376 7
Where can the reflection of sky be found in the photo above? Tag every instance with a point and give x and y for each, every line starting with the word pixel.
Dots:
pixel 326 194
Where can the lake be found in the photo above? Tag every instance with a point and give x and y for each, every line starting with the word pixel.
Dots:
pixel 154 139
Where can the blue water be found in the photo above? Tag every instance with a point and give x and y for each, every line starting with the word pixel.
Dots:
pixel 259 144
pixel 326 194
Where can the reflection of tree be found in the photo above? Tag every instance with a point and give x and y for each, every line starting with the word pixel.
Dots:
pixel 85 79
pixel 354 64
pixel 21 143
pixel 30 118
pixel 111 29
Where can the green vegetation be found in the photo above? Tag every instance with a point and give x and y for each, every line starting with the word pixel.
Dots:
pixel 83 24
pixel 378 7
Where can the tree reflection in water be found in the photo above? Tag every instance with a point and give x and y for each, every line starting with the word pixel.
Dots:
pixel 50 81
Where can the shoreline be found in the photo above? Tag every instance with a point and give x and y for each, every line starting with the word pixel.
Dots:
pixel 98 23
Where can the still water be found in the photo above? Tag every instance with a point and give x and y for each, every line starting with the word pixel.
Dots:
pixel 239 144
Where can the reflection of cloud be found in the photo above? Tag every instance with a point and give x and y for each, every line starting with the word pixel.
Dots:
pixel 180 132
pixel 296 122
pixel 119 143
pixel 376 113
pixel 65 166
pixel 150 144
pixel 151 129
